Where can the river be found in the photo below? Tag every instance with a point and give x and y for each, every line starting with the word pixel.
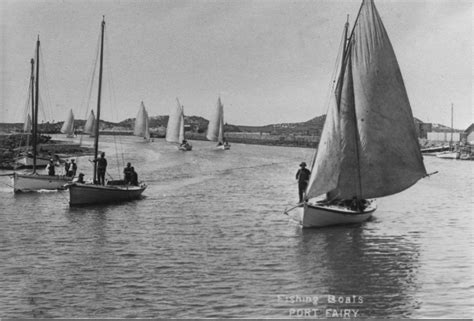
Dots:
pixel 209 239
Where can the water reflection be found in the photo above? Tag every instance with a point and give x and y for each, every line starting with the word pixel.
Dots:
pixel 375 274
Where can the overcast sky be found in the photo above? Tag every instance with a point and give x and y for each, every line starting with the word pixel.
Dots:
pixel 271 61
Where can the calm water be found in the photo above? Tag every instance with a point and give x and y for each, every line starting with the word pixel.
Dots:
pixel 210 240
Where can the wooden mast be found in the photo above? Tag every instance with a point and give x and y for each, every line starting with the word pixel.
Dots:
pixel 35 113
pixel 32 86
pixel 96 140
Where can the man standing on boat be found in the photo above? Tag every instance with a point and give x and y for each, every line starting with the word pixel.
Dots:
pixel 101 169
pixel 302 176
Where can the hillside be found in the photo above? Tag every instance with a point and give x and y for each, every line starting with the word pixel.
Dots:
pixel 312 127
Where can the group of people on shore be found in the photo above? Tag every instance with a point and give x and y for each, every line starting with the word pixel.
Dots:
pixel 70 168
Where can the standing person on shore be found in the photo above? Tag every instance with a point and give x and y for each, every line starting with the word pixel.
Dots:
pixel 302 176
pixel 67 165
pixel 50 167
pixel 72 169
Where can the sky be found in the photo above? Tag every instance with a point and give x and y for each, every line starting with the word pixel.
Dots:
pixel 270 61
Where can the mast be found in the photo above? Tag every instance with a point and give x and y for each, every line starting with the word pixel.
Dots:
pixel 96 140
pixel 35 111
pixel 452 127
pixel 32 87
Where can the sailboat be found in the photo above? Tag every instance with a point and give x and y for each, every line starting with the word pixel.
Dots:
pixel 89 127
pixel 452 153
pixel 68 125
pixel 34 181
pixel 215 131
pixel 369 146
pixel 141 123
pixel 81 193
pixel 175 128
pixel 27 126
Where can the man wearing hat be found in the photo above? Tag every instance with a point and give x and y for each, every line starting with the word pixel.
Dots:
pixel 302 176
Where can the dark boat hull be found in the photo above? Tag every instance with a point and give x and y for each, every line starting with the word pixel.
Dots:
pixel 87 194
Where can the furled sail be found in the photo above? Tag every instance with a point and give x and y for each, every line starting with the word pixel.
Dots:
pixel 89 127
pixel 215 130
pixel 141 123
pixel 175 128
pixel 27 126
pixel 369 146
pixel 68 125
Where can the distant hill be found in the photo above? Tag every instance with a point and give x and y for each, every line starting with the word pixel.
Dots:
pixel 312 127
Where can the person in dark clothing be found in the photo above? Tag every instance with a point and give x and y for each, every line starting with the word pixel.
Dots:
pixel 72 169
pixel 101 169
pixel 134 177
pixel 302 176
pixel 80 179
pixel 51 169
pixel 67 165
pixel 127 173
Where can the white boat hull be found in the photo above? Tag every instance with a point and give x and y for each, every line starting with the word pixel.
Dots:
pixel 448 155
pixel 223 147
pixel 87 194
pixel 318 215
pixel 35 182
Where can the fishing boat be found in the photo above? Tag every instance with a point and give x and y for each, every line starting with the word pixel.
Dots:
pixel 369 147
pixel 68 125
pixel 81 193
pixel 28 182
pixel 175 128
pixel 215 131
pixel 141 123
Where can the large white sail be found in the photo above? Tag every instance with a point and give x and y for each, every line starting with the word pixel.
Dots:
pixel 68 125
pixel 141 123
pixel 369 147
pixel 215 129
pixel 175 128
pixel 89 127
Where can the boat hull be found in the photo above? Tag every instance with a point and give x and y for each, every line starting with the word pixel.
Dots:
pixel 448 155
pixel 223 147
pixel 35 182
pixel 185 148
pixel 88 194
pixel 317 215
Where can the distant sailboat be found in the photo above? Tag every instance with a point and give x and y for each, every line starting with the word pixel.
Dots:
pixel 452 153
pixel 81 193
pixel 89 127
pixel 27 126
pixel 34 181
pixel 68 125
pixel 369 146
pixel 215 131
pixel 141 123
pixel 175 128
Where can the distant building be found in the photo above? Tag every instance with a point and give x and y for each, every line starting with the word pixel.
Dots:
pixel 468 134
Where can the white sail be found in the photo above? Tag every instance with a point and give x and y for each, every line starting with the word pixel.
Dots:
pixel 369 147
pixel 141 123
pixel 27 126
pixel 68 125
pixel 89 127
pixel 175 128
pixel 215 130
